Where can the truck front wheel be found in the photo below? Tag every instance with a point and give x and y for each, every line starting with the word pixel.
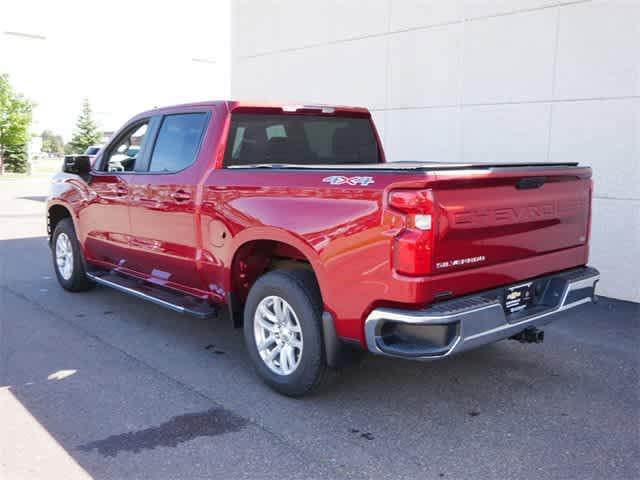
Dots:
pixel 67 258
pixel 282 330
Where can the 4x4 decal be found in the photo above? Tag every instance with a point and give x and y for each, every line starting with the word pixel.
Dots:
pixel 342 180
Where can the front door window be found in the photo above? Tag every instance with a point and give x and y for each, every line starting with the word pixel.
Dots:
pixel 124 154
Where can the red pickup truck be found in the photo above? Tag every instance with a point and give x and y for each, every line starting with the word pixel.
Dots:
pixel 290 218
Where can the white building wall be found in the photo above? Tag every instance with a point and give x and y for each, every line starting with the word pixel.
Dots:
pixel 472 81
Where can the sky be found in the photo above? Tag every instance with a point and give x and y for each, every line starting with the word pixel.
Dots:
pixel 124 56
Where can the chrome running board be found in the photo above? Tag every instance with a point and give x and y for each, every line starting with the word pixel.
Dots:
pixel 164 297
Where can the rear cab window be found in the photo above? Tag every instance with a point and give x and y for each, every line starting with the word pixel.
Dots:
pixel 296 139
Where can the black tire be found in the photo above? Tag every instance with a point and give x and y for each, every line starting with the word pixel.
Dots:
pixel 78 281
pixel 298 287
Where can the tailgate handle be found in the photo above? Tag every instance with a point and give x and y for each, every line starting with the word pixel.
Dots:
pixel 530 182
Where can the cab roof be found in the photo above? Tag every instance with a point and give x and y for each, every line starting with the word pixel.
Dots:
pixel 262 107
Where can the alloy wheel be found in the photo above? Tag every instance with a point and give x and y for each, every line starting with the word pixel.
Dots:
pixel 278 335
pixel 64 256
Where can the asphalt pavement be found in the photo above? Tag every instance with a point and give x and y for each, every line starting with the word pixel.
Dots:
pixel 101 385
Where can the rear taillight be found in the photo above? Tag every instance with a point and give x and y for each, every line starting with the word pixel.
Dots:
pixel 413 246
pixel 411 201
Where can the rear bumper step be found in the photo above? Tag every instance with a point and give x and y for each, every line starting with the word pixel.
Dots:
pixel 470 322
pixel 163 297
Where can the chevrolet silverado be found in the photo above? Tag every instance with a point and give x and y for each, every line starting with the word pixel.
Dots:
pixel 289 218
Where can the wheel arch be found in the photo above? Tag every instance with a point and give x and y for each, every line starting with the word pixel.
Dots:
pixel 261 250
pixel 57 211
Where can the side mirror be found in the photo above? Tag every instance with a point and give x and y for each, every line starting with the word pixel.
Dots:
pixel 77 164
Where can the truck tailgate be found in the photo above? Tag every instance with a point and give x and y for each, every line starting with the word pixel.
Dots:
pixel 487 218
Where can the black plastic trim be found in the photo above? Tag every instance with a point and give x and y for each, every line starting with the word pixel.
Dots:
pixel 332 345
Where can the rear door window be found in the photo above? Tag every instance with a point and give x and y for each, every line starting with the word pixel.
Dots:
pixel 178 142
pixel 300 140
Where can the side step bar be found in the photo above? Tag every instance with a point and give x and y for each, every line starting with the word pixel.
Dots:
pixel 161 296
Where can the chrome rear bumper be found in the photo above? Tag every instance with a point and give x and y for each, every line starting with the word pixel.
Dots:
pixel 470 322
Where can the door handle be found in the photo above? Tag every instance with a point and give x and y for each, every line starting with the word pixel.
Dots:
pixel 181 196
pixel 121 191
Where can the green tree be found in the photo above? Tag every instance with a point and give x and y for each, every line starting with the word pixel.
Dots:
pixel 86 132
pixel 52 143
pixel 15 120
pixel 16 158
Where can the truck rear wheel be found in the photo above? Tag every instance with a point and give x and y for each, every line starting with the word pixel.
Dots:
pixel 282 330
pixel 67 258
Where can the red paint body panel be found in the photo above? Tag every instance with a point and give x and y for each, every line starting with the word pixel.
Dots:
pixel 104 221
pixel 347 232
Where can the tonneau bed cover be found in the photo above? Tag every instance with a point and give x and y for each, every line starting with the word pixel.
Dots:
pixel 396 166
